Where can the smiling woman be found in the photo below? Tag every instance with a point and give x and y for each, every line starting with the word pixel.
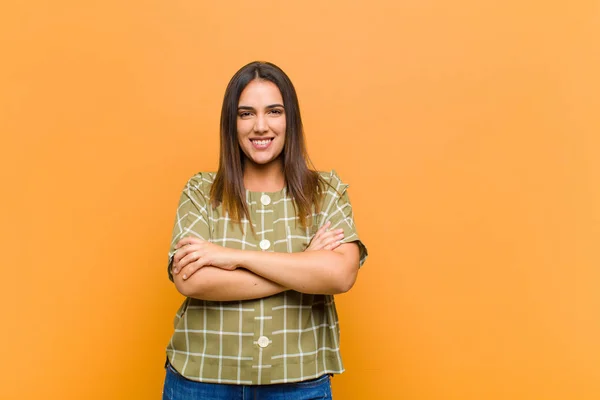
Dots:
pixel 259 249
pixel 261 127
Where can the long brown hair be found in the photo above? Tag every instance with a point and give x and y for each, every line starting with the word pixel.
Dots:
pixel 303 185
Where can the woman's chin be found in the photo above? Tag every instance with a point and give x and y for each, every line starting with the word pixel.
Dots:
pixel 263 161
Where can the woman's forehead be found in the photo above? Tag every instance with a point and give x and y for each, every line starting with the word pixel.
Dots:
pixel 260 91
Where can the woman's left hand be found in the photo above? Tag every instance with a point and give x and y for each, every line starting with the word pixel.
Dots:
pixel 325 239
pixel 193 253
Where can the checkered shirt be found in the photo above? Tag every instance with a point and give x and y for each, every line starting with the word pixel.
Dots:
pixel 287 337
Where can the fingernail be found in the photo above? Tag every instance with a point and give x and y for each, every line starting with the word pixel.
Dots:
pixel 184 276
pixel 175 270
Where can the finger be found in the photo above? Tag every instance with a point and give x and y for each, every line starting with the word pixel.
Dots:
pixel 183 251
pixel 333 245
pixel 190 269
pixel 185 259
pixel 319 233
pixel 339 238
pixel 323 228
pixel 188 259
pixel 334 238
pixel 188 240
pixel 174 269
pixel 332 235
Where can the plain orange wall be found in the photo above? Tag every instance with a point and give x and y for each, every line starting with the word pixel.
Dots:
pixel 468 130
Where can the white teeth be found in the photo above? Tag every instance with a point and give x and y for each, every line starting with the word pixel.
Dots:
pixel 261 142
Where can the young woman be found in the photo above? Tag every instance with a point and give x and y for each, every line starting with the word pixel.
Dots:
pixel 259 249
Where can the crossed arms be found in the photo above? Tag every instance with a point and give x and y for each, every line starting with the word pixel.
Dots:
pixel 207 271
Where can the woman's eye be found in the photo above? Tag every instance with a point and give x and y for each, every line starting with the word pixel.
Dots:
pixel 244 114
pixel 276 111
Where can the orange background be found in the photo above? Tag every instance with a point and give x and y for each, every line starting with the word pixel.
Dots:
pixel 468 130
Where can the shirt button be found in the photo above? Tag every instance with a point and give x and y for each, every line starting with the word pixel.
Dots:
pixel 266 200
pixel 263 341
pixel 264 244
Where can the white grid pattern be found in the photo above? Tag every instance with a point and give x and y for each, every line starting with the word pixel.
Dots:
pixel 218 341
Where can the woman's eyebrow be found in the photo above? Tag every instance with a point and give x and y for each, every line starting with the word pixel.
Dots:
pixel 252 108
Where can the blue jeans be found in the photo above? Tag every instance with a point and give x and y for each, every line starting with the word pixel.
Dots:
pixel 179 388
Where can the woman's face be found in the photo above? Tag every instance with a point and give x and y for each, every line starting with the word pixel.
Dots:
pixel 261 122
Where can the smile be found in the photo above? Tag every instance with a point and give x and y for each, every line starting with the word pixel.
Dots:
pixel 261 143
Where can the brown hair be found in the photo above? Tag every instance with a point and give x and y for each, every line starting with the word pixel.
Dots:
pixel 304 185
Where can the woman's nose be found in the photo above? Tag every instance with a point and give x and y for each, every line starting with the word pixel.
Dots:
pixel 260 124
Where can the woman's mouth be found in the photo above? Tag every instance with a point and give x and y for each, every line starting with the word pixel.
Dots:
pixel 261 144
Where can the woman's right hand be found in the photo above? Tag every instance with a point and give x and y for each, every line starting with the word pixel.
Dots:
pixel 325 239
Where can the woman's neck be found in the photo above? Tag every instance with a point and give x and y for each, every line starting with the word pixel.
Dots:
pixel 264 178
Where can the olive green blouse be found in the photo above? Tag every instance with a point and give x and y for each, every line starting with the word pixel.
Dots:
pixel 287 337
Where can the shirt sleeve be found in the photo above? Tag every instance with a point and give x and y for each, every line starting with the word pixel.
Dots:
pixel 192 217
pixel 338 210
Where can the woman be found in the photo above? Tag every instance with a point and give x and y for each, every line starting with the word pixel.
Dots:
pixel 259 249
